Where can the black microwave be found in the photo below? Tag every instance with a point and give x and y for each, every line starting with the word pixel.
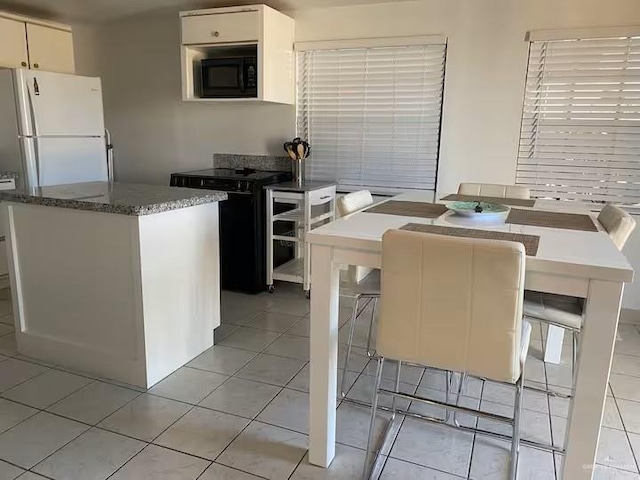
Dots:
pixel 229 77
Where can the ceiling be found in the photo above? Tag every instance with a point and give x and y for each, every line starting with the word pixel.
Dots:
pixel 98 11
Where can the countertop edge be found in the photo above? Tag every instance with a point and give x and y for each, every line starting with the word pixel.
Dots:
pixel 130 210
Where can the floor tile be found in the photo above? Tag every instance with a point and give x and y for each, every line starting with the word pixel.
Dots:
pixel 8 471
pixel 13 372
pixel 395 469
pixel 157 463
pixel 31 476
pixel 222 331
pixel 297 307
pixel 491 459
pixel 290 409
pixel 358 359
pixel 221 359
pixel 614 450
pixel 6 329
pixel 447 449
pixel 36 438
pixel 264 450
pixel 290 346
pixel 363 387
pixel 623 386
pixel 302 328
pixel 277 322
pixel 12 414
pixel 628 340
pixel 202 432
pixel 408 374
pixel 634 440
pixel 347 465
pixel 221 472
pixel 94 455
pixel 188 385
pixel 352 426
pixel 607 473
pixel 250 339
pixel 146 417
pixel 8 345
pixel 270 369
pixel 626 365
pixel 437 412
pixel 241 397
pixel 301 380
pixel 238 314
pixel 46 389
pixel 94 402
pixel 534 425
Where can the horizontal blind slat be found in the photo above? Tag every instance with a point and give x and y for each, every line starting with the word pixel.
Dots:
pixel 372 115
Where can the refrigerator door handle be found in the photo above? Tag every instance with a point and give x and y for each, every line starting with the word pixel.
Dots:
pixel 107 137
pixel 32 110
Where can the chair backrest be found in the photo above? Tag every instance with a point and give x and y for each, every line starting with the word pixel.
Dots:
pixel 618 224
pixel 494 190
pixel 452 303
pixel 352 202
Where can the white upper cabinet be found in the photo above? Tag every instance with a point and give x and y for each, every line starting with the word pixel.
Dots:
pixel 205 33
pixel 13 44
pixel 50 49
pixel 221 28
pixel 37 44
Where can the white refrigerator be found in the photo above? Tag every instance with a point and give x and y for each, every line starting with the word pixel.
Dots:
pixel 52 128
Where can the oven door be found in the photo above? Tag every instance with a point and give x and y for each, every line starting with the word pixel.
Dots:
pixel 223 78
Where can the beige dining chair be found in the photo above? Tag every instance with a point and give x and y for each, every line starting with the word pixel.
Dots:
pixel 564 311
pixel 359 289
pixel 494 190
pixel 454 304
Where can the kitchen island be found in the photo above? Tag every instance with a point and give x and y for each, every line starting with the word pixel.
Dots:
pixel 117 280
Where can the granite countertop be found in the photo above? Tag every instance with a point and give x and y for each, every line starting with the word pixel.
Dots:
pixel 120 198
pixel 8 175
pixel 297 187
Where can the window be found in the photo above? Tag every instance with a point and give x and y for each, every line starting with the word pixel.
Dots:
pixel 372 114
pixel 580 136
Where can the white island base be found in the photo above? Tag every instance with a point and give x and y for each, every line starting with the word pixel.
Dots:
pixel 126 297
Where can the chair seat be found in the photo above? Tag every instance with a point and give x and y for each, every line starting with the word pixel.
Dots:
pixel 556 309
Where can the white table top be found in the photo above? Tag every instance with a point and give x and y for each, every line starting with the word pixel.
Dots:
pixel 569 252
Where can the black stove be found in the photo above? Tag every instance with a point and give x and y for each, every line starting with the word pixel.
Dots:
pixel 242 222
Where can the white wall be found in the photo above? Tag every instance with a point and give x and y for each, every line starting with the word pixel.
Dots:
pixel 155 133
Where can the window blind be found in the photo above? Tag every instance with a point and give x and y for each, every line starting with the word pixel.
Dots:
pixel 372 115
pixel 580 135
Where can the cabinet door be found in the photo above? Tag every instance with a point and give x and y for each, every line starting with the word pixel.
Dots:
pixel 221 28
pixel 50 49
pixel 13 44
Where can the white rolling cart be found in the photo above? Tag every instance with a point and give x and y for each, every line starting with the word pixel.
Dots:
pixel 313 204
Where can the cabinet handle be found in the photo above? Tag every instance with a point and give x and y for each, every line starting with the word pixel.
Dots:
pixel 35 65
pixel 215 34
pixel 24 64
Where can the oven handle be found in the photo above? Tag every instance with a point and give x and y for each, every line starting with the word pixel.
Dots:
pixel 239 193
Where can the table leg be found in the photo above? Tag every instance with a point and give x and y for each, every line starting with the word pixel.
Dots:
pixel 597 341
pixel 553 345
pixel 325 278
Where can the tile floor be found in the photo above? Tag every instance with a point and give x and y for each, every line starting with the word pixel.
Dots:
pixel 239 411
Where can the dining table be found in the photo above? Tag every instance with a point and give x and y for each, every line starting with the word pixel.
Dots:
pixel 576 262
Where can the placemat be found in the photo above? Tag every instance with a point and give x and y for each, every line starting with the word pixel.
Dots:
pixel 530 242
pixel 515 202
pixel 409 209
pixel 541 218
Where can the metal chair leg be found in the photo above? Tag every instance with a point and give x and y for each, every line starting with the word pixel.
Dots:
pixel 515 442
pixel 352 328
pixel 370 352
pixel 372 423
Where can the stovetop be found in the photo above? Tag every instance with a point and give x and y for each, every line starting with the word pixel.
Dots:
pixel 234 174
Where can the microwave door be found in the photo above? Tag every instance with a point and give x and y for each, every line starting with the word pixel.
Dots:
pixel 222 79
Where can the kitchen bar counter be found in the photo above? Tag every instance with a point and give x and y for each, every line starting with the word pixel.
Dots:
pixel 118 198
pixel 117 280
